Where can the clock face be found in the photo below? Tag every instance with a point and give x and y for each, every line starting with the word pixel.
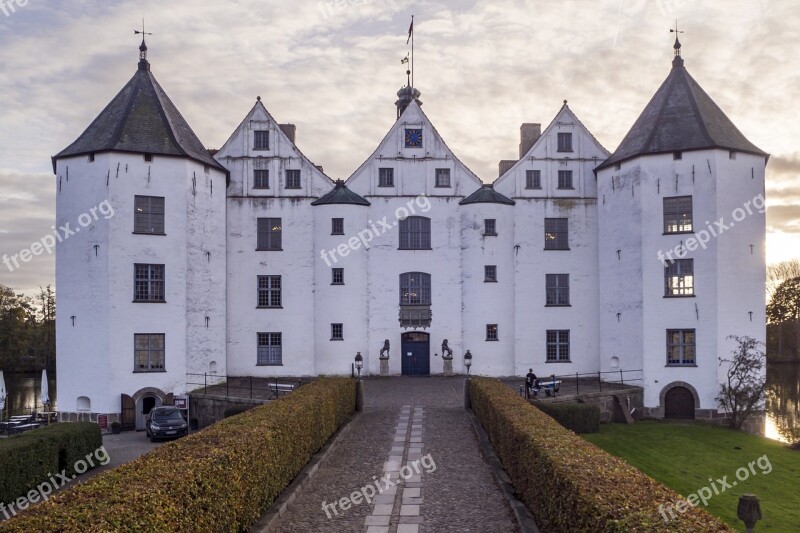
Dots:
pixel 413 138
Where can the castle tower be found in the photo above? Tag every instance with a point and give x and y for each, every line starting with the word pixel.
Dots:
pixel 681 247
pixel 141 282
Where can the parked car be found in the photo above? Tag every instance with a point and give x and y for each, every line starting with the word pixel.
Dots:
pixel 165 422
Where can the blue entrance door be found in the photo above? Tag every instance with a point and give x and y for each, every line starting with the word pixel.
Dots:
pixel 416 354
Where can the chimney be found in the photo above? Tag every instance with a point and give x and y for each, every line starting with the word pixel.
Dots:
pixel 506 164
pixel 529 133
pixel 289 130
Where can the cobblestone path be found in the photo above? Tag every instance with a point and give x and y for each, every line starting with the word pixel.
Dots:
pixel 414 456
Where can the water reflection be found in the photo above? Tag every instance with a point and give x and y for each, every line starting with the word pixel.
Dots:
pixel 24 392
pixel 783 402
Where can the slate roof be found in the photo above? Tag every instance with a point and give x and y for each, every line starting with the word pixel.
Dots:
pixel 340 194
pixel 681 116
pixel 141 119
pixel 486 195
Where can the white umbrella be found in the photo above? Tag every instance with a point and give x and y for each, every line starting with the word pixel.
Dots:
pixel 45 396
pixel 2 391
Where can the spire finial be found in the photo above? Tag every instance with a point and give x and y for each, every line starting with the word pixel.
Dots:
pixel 678 60
pixel 143 63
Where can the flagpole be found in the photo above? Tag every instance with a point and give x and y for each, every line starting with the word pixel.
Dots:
pixel 412 50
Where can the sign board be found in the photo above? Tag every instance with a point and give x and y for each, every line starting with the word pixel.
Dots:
pixel 181 402
pixel 102 420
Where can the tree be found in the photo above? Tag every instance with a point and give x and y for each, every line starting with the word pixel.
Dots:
pixel 780 272
pixel 27 330
pixel 743 393
pixel 784 306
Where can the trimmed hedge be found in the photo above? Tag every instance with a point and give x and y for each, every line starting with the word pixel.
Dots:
pixel 568 483
pixel 219 479
pixel 31 458
pixel 577 417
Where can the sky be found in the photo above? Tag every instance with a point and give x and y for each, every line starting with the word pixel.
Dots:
pixel 333 68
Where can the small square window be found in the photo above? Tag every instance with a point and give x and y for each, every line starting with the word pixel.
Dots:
pixel 385 177
pixel 732 154
pixel 565 179
pixel 533 179
pixel 677 155
pixel 491 332
pixel 91 158
pixel 490 227
pixel 564 142
pixel 490 273
pixel 413 138
pixel 337 276
pixel 443 177
pixel 261 179
pixel 337 226
pixel 337 332
pixel 293 179
pixel 148 157
pixel 261 140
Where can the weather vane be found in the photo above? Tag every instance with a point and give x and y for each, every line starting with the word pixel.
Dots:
pixel 677 45
pixel 143 47
pixel 404 61
pixel 143 33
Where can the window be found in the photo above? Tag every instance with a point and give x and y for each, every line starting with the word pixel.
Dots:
pixel 565 179
pixel 337 226
pixel 270 351
pixel 564 142
pixel 337 276
pixel 293 179
pixel 148 214
pixel 269 234
pixel 491 332
pixel 91 160
pixel 261 179
pixel 148 350
pixel 556 234
pixel 678 214
pixel 337 332
pixel 679 278
pixel 680 347
pixel 557 345
pixel 490 273
pixel 415 233
pixel 677 155
pixel 148 158
pixel 490 227
pixel 148 283
pixel 385 177
pixel 261 140
pixel 557 289
pixel 415 288
pixel 732 154
pixel 413 138
pixel 533 179
pixel 269 291
pixel 442 177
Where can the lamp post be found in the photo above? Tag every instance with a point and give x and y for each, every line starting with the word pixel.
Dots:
pixel 468 360
pixel 359 363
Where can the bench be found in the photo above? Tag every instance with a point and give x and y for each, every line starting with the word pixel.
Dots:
pixel 280 388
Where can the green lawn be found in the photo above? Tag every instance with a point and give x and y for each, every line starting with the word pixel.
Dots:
pixel 684 455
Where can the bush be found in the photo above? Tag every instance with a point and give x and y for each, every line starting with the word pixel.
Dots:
pixel 219 479
pixel 31 458
pixel 578 417
pixel 568 483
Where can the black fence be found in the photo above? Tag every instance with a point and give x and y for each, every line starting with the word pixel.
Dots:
pixel 574 384
pixel 254 388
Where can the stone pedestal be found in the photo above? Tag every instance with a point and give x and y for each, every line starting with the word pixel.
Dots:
pixel 448 367
pixel 384 366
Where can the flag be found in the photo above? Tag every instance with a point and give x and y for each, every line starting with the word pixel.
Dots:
pixel 410 30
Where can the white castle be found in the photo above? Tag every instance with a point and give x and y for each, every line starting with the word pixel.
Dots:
pixel 251 261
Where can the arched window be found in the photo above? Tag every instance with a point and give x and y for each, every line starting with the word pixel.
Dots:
pixel 415 288
pixel 415 233
pixel 84 403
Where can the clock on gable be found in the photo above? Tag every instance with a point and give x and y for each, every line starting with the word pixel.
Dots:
pixel 413 138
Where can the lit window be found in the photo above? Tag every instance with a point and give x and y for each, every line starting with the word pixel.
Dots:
pixel 491 332
pixel 269 234
pixel 679 278
pixel 680 347
pixel 415 288
pixel 556 234
pixel 678 214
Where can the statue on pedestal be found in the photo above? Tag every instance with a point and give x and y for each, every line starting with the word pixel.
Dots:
pixel 447 352
pixel 385 350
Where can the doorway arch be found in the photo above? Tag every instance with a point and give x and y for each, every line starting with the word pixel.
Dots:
pixel 679 401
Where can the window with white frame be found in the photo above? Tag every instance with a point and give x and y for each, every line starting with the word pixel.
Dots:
pixel 337 276
pixel 260 178
pixel 148 214
pixel 148 283
pixel 148 352
pixel 490 273
pixel 678 214
pixel 565 142
pixel 681 347
pixel 385 177
pixel 269 234
pixel 270 349
pixel 337 332
pixel 533 179
pixel 679 277
pixel 415 233
pixel 415 288
pixel 293 179
pixel 557 288
pixel 269 291
pixel 491 332
pixel 558 345
pixel 261 140
pixel 443 177
pixel 337 226
pixel 556 234
pixel 490 227
pixel 565 179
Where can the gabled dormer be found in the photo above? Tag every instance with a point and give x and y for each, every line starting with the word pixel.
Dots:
pixel 556 163
pixel 264 161
pixel 413 159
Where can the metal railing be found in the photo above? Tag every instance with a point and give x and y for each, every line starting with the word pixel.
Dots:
pixel 595 381
pixel 254 388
